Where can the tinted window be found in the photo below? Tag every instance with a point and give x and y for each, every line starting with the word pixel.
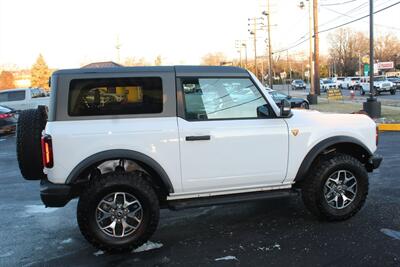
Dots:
pixel 12 96
pixel 115 96
pixel 221 98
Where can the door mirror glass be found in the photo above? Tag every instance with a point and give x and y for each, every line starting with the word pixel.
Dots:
pixel 289 97
pixel 263 111
pixel 286 108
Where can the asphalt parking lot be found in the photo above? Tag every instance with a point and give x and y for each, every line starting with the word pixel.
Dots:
pixel 275 232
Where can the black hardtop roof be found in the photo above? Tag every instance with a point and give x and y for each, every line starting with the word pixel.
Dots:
pixel 178 69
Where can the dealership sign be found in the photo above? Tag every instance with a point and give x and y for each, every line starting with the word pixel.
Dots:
pixel 384 65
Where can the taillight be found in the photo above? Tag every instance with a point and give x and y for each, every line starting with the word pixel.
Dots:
pixel 47 151
pixel 5 116
pixel 377 135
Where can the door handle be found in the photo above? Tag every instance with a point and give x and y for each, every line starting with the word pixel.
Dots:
pixel 198 138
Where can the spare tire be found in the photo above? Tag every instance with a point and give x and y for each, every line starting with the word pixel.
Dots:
pixel 30 125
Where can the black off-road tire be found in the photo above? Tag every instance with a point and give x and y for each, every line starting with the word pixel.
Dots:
pixel 30 125
pixel 392 92
pixel 313 186
pixel 135 183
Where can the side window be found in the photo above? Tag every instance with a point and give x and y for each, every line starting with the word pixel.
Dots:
pixel 115 96
pixel 221 98
pixel 16 96
pixel 36 92
pixel 3 97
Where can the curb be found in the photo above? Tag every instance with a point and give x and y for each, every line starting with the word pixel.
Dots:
pixel 389 127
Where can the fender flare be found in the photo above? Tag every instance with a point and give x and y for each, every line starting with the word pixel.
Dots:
pixel 126 154
pixel 320 147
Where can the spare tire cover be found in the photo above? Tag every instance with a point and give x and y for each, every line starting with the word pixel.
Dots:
pixel 30 125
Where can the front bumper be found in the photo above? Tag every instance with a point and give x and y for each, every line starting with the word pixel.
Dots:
pixel 55 195
pixel 373 162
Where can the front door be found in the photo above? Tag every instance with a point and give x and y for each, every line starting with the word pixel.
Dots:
pixel 224 143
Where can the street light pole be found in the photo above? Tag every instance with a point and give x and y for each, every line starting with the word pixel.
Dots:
pixel 372 106
pixel 269 46
pixel 316 49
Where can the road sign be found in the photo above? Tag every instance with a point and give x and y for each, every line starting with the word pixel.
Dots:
pixel 385 65
pixel 334 94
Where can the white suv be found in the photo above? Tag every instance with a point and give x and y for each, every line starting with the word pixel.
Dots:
pixel 129 141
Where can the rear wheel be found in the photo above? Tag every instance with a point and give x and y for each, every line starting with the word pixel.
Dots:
pixel 118 211
pixel 336 188
pixel 392 92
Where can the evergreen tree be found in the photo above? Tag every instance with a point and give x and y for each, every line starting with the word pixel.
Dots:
pixel 40 73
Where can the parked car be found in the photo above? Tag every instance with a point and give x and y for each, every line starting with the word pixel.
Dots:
pixel 381 84
pixel 295 102
pixel 350 83
pixel 8 120
pixel 326 84
pixel 298 84
pixel 24 98
pixel 169 148
pixel 338 81
pixel 395 81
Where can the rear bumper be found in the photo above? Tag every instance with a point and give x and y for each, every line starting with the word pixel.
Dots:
pixel 373 162
pixel 55 195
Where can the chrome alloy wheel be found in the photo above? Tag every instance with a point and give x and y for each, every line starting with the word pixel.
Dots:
pixel 119 214
pixel 340 189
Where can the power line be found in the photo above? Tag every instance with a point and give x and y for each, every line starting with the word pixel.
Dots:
pixel 360 18
pixel 336 4
pixel 375 24
pixel 335 27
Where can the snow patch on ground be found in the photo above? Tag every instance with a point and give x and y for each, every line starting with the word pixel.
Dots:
pixel 7 254
pixel 275 246
pixel 148 246
pixel 98 253
pixel 35 209
pixel 66 241
pixel 227 258
pixel 392 233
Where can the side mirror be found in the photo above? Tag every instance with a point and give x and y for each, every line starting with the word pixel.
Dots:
pixel 263 112
pixel 286 108
pixel 289 97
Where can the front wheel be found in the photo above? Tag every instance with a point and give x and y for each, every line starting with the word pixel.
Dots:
pixel 118 211
pixel 392 92
pixel 336 188
pixel 305 105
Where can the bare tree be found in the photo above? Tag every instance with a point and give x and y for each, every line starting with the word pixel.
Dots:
pixel 213 59
pixel 6 80
pixel 387 48
pixel 132 61
pixel 346 50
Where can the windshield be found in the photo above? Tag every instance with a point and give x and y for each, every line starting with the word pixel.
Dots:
pixel 355 79
pixel 328 81
pixel 380 79
pixel 298 81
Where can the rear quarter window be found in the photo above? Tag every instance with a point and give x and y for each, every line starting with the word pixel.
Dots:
pixel 12 96
pixel 115 96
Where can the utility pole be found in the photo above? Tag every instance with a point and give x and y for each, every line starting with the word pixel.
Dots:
pixel 245 54
pixel 316 49
pixel 118 47
pixel 371 106
pixel 238 46
pixel 254 23
pixel 268 14
pixel 310 61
